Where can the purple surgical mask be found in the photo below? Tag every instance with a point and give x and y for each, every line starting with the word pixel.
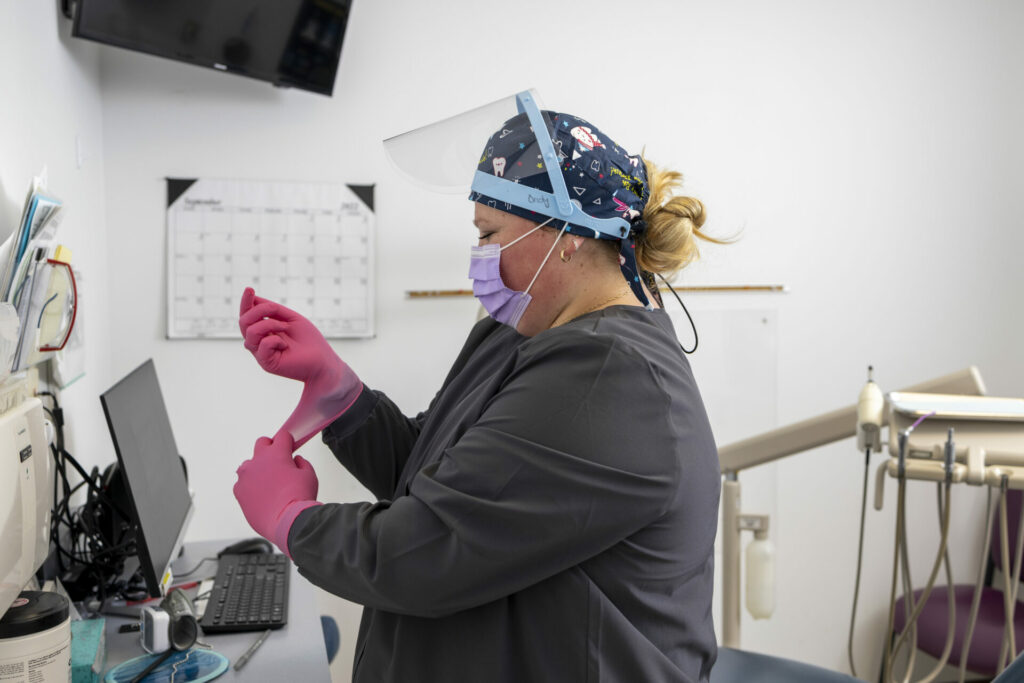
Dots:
pixel 503 304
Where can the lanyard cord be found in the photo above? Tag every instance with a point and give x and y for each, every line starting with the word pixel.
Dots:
pixel 689 317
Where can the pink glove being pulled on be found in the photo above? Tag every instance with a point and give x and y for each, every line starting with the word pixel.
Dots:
pixel 272 488
pixel 285 343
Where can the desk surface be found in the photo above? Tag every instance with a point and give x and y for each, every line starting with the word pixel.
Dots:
pixel 295 652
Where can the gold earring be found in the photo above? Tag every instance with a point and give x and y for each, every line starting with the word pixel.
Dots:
pixel 565 259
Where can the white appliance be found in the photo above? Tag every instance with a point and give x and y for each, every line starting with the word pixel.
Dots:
pixel 26 496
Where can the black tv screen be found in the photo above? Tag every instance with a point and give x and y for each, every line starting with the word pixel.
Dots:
pixel 287 42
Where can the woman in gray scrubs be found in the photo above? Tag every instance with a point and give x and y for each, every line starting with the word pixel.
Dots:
pixel 551 515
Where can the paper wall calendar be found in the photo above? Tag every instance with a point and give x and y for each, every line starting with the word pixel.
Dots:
pixel 308 246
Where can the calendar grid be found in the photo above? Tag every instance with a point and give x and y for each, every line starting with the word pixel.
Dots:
pixel 308 246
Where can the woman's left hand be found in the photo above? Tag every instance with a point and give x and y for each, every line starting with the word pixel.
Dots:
pixel 273 488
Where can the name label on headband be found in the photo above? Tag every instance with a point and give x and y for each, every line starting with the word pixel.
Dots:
pixel 540 199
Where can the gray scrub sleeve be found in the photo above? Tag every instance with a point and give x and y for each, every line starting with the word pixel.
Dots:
pixel 567 458
pixel 373 438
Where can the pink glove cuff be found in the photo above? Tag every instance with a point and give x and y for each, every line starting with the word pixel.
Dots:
pixel 312 415
pixel 285 521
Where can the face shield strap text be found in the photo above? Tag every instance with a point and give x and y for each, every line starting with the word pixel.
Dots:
pixel 545 203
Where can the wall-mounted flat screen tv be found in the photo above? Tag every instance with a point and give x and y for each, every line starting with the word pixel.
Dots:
pixel 293 43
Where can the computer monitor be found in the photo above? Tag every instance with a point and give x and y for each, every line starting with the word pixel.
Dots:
pixel 287 42
pixel 161 505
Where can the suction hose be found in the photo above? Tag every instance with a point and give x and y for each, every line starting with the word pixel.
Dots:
pixel 947 649
pixel 1009 584
pixel 918 606
pixel 860 556
pixel 976 600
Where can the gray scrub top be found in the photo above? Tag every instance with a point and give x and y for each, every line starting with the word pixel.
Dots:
pixel 550 517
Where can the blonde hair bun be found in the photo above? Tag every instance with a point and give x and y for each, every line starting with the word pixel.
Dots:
pixel 674 223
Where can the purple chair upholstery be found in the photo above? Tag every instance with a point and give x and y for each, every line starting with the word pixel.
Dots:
pixel 988 631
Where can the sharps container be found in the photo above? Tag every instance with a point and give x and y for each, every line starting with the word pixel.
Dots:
pixel 35 639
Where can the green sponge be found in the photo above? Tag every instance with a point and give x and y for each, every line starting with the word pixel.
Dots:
pixel 88 650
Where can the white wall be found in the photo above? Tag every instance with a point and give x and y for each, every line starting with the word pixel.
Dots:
pixel 868 151
pixel 51 116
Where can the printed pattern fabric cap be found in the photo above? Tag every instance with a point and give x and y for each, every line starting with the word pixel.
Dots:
pixel 601 177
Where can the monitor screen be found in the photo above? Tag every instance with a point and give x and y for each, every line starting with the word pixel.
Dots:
pixel 151 467
pixel 287 42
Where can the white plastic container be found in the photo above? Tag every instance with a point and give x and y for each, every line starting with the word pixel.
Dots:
pixel 761 578
pixel 35 639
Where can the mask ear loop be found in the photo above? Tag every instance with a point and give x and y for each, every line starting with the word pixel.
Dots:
pixel 527 234
pixel 553 245
pixel 688 316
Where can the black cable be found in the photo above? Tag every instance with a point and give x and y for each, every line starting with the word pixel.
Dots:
pixel 55 516
pixel 99 492
pixel 689 317
pixel 76 554
pixel 61 470
pixel 97 547
pixel 195 568
pixel 61 513
pixel 120 547
pixel 164 656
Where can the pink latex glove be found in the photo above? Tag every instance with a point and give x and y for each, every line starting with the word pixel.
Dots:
pixel 272 488
pixel 285 343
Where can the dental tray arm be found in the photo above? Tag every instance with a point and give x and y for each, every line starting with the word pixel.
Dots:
pixel 829 427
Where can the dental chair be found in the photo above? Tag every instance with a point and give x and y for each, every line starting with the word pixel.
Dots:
pixel 739 666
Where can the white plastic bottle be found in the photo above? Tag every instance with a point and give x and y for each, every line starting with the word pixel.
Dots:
pixel 760 573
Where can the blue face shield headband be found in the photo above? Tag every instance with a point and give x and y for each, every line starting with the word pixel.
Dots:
pixel 536 164
pixel 502 192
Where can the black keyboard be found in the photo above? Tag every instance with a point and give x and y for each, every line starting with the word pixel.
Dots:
pixel 250 593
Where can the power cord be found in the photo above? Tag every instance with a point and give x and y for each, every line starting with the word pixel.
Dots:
pixel 195 568
pixel 91 542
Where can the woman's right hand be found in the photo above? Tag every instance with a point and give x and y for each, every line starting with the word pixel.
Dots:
pixel 285 343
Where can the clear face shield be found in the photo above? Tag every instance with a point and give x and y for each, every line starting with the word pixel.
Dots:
pixel 457 155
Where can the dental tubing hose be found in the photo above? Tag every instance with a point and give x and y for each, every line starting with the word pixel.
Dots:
pixel 1005 568
pixel 947 649
pixel 1011 638
pixel 908 602
pixel 1009 645
pixel 916 607
pixel 950 590
pixel 860 557
pixel 870 415
pixel 900 556
pixel 976 599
